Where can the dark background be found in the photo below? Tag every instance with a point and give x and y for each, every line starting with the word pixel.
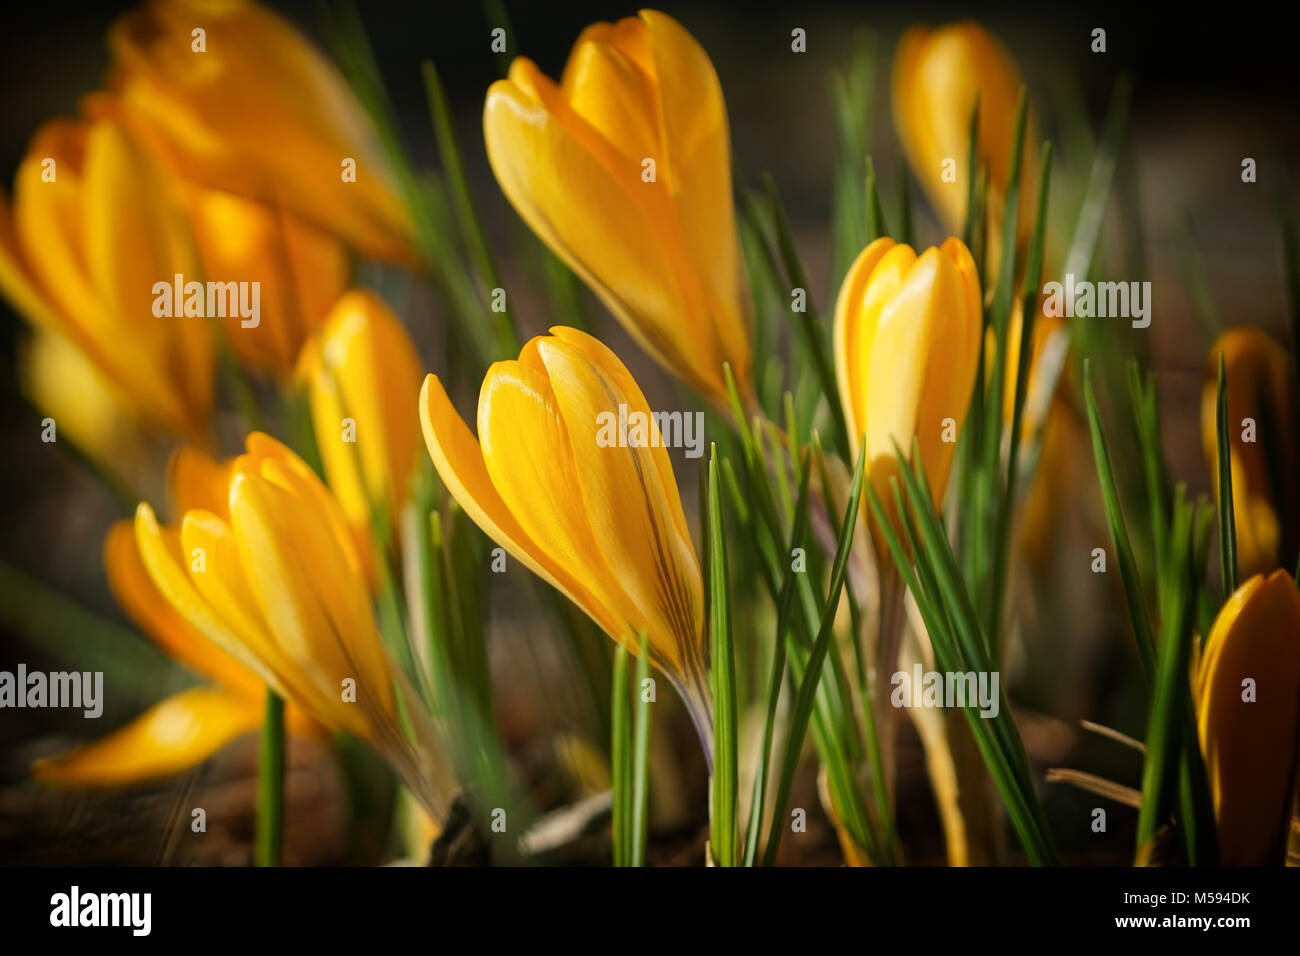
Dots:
pixel 1208 93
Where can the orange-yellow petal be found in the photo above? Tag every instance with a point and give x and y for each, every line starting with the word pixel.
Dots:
pixel 174 735
pixel 1249 717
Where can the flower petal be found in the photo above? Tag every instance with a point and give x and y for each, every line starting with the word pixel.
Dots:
pixel 139 597
pixel 636 523
pixel 459 460
pixel 588 203
pixel 1251 745
pixel 160 553
pixel 855 324
pixel 172 736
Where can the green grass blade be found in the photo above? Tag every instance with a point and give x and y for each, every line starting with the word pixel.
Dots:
pixel 971 229
pixel 809 321
pixel 725 786
pixel 1024 361
pixel 620 759
pixel 812 672
pixel 1087 225
pixel 270 783
pixel 758 802
pixel 640 822
pixel 1119 534
pixel 467 217
pixel 1005 288
pixel 1165 724
pixel 876 224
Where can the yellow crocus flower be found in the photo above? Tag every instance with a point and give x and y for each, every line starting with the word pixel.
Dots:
pixel 599 520
pixel 363 377
pixel 86 405
pixel 907 342
pixel 1265 470
pixel 1248 718
pixel 186 728
pixel 92 229
pixel 260 112
pixel 280 586
pixel 624 171
pixel 300 269
pixel 936 76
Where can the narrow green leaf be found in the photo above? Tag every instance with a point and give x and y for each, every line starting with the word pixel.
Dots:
pixel 1087 225
pixel 641 756
pixel 725 787
pixel 776 678
pixel 971 230
pixel 466 212
pixel 808 322
pixel 798 724
pixel 1024 362
pixel 620 759
pixel 270 784
pixel 876 225
pixel 1005 287
pixel 1165 724
pixel 1119 533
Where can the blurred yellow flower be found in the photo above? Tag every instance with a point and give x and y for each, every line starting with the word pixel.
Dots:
pixel 277 582
pixel 260 112
pixel 1265 468
pixel 301 272
pixel 87 407
pixel 363 376
pixel 603 525
pixel 624 171
pixel 92 230
pixel 1248 718
pixel 299 269
pixel 936 76
pixel 185 729
pixel 907 344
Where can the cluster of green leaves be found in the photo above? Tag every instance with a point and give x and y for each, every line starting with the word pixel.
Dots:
pixel 989 455
pixel 1172 772
pixel 961 643
pixel 453 674
pixel 775 520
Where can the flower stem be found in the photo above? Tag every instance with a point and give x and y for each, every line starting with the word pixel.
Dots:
pixel 270 784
